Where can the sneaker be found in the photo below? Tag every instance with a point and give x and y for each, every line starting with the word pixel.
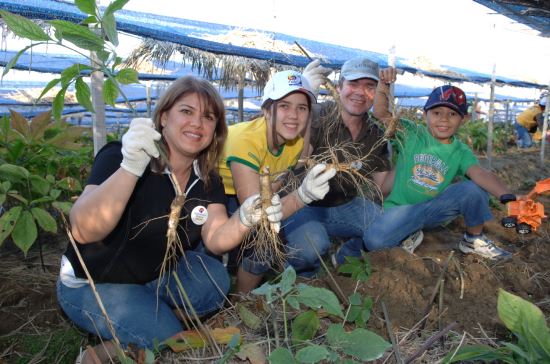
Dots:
pixel 481 245
pixel 412 241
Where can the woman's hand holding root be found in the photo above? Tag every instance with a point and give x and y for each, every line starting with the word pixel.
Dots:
pixel 250 212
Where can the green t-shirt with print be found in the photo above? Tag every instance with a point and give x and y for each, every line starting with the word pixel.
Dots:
pixel 425 167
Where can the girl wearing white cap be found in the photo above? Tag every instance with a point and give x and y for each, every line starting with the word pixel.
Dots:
pixel 273 140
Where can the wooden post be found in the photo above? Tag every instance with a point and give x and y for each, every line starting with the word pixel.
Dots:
pixel 98 118
pixel 391 63
pixel 507 103
pixel 491 118
pixel 474 108
pixel 240 85
pixel 96 84
pixel 148 93
pixel 544 128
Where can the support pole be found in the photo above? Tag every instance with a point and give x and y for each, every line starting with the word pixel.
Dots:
pixel 491 118
pixel 98 118
pixel 544 128
pixel 391 63
pixel 474 108
pixel 240 85
pixel 508 121
pixel 148 93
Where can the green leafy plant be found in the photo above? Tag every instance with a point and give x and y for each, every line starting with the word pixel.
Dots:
pixel 526 321
pixel 97 33
pixel 359 343
pixel 359 268
pixel 44 147
pixel 28 201
pixel 474 133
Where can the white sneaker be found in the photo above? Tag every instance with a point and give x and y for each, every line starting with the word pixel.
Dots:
pixel 412 241
pixel 481 245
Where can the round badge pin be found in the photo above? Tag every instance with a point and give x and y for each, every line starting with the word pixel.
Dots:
pixel 199 215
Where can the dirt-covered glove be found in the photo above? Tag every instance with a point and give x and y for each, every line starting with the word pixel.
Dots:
pixel 315 74
pixel 315 186
pixel 275 213
pixel 138 146
pixel 250 211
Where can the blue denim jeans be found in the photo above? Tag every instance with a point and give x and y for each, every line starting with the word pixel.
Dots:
pixel 523 137
pixel 138 315
pixel 309 230
pixel 396 223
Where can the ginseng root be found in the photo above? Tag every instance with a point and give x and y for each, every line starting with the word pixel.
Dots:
pixel 265 241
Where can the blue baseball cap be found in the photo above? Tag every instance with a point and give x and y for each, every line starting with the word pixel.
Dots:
pixel 450 96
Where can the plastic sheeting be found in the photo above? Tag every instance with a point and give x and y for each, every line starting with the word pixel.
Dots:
pixel 195 34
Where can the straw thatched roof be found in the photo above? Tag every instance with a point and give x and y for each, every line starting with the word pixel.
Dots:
pixel 228 70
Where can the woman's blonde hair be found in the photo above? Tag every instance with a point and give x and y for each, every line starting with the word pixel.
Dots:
pixel 211 99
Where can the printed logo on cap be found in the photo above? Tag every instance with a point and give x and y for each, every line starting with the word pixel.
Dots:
pixel 294 80
pixel 458 95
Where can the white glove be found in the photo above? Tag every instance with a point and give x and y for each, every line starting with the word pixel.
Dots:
pixel 250 211
pixel 315 74
pixel 315 185
pixel 138 146
pixel 275 213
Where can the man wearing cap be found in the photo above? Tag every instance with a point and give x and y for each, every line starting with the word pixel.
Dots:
pixel 429 160
pixel 528 121
pixel 344 212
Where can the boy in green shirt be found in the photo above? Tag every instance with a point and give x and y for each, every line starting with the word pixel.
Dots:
pixel 429 160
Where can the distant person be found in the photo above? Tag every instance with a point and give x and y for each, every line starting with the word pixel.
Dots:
pixel 424 194
pixel 528 121
pixel 273 140
pixel 343 213
pixel 120 224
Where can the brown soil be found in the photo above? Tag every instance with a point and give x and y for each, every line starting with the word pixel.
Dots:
pixel 402 281
pixel 405 283
pixel 27 289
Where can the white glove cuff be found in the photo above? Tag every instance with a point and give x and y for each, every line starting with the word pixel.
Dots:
pixel 305 199
pixel 135 167
pixel 244 219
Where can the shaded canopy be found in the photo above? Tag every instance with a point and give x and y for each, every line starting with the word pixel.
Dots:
pixel 195 39
pixel 533 13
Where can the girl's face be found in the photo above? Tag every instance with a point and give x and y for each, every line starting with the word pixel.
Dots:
pixel 292 116
pixel 188 126
pixel 443 122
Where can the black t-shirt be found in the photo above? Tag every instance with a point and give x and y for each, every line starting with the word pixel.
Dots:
pixel 134 250
pixel 328 129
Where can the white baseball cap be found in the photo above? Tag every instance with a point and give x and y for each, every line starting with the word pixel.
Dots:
pixel 284 82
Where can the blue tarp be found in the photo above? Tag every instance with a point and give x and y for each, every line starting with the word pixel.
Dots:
pixel 533 14
pixel 56 63
pixel 11 98
pixel 193 34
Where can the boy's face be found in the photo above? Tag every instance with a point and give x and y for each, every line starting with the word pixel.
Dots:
pixel 443 122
